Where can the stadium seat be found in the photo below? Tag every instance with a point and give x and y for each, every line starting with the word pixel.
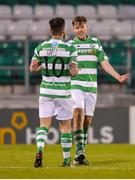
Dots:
pixel 2 31
pixel 126 12
pixel 17 31
pixel 86 10
pixel 5 76
pixel 12 53
pixel 123 30
pixel 103 30
pixel 22 12
pixel 68 28
pixel 65 11
pixel 39 30
pixel 132 43
pixel 35 78
pixel 43 12
pixel 107 12
pixel 5 12
pixel 117 53
pixel 91 24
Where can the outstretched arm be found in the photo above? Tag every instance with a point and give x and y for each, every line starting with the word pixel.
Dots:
pixel 110 70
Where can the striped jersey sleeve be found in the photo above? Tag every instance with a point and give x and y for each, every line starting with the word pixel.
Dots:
pixel 73 54
pixel 101 55
pixel 36 55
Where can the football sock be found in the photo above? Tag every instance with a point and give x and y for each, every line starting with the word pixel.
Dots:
pixel 66 143
pixel 41 136
pixel 79 140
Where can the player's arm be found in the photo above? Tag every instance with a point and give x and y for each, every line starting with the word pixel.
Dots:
pixel 35 62
pixel 110 70
pixel 103 59
pixel 73 68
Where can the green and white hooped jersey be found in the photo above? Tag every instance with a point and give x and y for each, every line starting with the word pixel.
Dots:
pixel 90 52
pixel 55 56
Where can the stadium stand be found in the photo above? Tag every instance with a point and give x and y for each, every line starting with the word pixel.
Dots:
pixel 126 12
pixel 43 12
pixel 65 11
pixel 5 12
pixel 38 30
pixel 86 10
pixel 23 24
pixel 107 12
pixel 22 12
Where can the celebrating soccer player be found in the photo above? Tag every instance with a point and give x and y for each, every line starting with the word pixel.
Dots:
pixel 57 60
pixel 84 84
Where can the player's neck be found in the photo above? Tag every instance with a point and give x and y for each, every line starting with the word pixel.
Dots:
pixel 57 37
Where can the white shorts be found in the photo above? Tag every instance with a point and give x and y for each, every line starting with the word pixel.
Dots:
pixel 84 100
pixel 62 108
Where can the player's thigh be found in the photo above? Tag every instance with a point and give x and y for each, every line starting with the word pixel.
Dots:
pixel 90 103
pixel 64 109
pixel 78 98
pixel 46 107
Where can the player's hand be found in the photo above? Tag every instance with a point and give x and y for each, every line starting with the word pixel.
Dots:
pixel 123 78
pixel 74 71
pixel 35 66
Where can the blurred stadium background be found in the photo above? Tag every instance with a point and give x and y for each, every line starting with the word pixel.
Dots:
pixel 24 24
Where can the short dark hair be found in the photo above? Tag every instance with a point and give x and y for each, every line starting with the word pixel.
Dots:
pixel 57 25
pixel 79 19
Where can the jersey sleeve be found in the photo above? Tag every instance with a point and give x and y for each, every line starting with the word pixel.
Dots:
pixel 101 55
pixel 36 54
pixel 73 54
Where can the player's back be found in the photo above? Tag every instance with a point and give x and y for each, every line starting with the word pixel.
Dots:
pixel 54 57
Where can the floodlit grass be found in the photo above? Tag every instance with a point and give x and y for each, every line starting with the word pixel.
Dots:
pixel 107 161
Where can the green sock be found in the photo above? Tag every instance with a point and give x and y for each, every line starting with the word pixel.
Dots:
pixel 85 136
pixel 41 136
pixel 79 140
pixel 66 143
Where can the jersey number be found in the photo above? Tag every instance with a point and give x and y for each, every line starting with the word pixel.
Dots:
pixel 56 59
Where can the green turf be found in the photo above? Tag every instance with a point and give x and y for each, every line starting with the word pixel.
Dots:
pixel 107 161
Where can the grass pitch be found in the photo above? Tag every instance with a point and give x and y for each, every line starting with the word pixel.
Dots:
pixel 107 161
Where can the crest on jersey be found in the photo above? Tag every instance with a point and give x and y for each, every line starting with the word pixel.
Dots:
pixel 54 44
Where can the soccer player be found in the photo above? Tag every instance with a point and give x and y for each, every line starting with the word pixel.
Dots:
pixel 84 84
pixel 57 60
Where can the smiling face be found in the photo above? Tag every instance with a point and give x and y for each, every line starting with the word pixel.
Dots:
pixel 80 30
pixel 80 27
